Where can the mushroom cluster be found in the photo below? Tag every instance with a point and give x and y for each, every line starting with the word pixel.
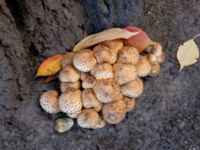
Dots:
pixel 101 84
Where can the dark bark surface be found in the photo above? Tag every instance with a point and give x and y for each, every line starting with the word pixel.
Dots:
pixel 167 115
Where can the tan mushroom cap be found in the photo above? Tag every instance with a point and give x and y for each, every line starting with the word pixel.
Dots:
pixel 89 98
pixel 143 67
pixel 70 102
pixel 104 55
pixel 128 54
pixel 114 112
pixel 69 74
pixel 130 103
pixel 84 60
pixel 69 85
pixel 99 107
pixel 102 71
pixel 88 81
pixel 124 72
pixel 67 59
pixel 133 89
pixel 114 45
pixel 49 101
pixel 158 52
pixel 88 118
pixel 155 66
pixel 74 115
pixel 107 90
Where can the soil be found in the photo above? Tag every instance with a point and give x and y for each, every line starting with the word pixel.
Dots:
pixel 167 115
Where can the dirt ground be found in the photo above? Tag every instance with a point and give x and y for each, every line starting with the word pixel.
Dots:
pixel 167 115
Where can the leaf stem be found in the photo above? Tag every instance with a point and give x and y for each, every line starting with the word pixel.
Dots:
pixel 196 36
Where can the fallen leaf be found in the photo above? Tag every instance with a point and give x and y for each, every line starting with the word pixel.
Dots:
pixel 50 78
pixel 109 34
pixel 50 66
pixel 188 53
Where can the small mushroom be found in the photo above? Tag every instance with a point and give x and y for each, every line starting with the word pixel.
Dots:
pixel 63 124
pixel 88 118
pixel 69 74
pixel 74 115
pixel 89 99
pixel 102 71
pixel 143 67
pixel 99 107
pixel 67 59
pixel 107 90
pixel 114 45
pixel 70 102
pixel 49 101
pixel 158 52
pixel 114 112
pixel 84 60
pixel 124 72
pixel 133 89
pixel 88 81
pixel 128 54
pixel 130 103
pixel 155 66
pixel 69 85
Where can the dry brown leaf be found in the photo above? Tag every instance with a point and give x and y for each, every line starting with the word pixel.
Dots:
pixel 50 66
pixel 109 34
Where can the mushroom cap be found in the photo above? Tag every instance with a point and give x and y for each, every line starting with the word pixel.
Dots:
pixel 99 107
pixel 102 71
pixel 49 101
pixel 114 112
pixel 133 89
pixel 88 118
pixel 84 60
pixel 67 59
pixel 69 74
pixel 107 90
pixel 158 52
pixel 104 55
pixel 114 45
pixel 143 67
pixel 130 103
pixel 63 124
pixel 69 85
pixel 89 98
pixel 124 72
pixel 155 69
pixel 88 81
pixel 128 54
pixel 70 102
pixel 74 115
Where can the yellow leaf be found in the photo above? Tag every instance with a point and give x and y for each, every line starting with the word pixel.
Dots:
pixel 188 53
pixel 50 66
pixel 109 34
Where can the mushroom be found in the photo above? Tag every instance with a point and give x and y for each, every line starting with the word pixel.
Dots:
pixel 143 67
pixel 69 74
pixel 107 90
pixel 114 112
pixel 88 118
pixel 67 59
pixel 114 45
pixel 74 115
pixel 130 103
pixel 89 99
pixel 133 89
pixel 158 52
pixel 99 107
pixel 155 66
pixel 128 54
pixel 70 102
pixel 88 81
pixel 124 72
pixel 69 85
pixel 102 71
pixel 63 124
pixel 49 101
pixel 104 55
pixel 84 60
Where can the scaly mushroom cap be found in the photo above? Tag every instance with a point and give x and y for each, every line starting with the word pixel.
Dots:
pixel 88 81
pixel 124 73
pixel 84 60
pixel 88 118
pixel 102 71
pixel 114 112
pixel 128 54
pixel 104 55
pixel 69 74
pixel 133 89
pixel 107 90
pixel 49 101
pixel 70 102
pixel 89 99
pixel 114 45
pixel 143 67
pixel 130 103
pixel 69 85
pixel 67 59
